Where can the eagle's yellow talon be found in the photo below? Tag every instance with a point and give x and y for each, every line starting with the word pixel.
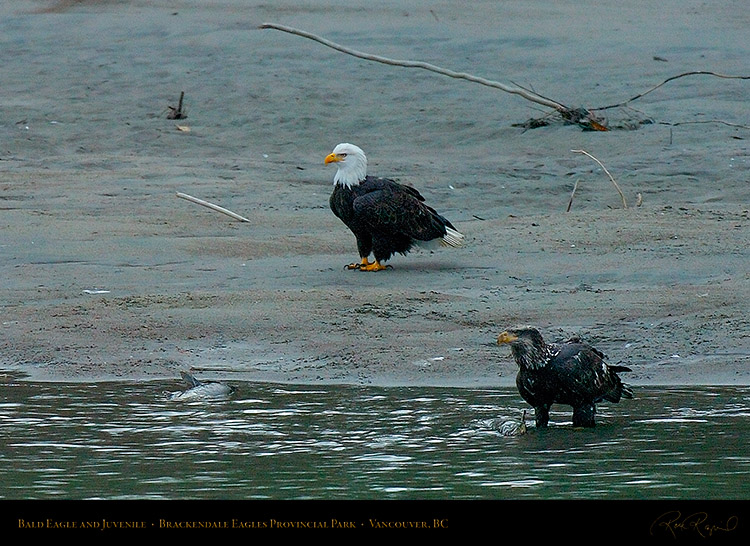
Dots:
pixel 360 265
pixel 374 266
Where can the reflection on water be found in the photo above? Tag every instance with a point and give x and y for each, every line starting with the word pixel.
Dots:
pixel 126 440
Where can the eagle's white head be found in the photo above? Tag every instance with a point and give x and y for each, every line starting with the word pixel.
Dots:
pixel 351 164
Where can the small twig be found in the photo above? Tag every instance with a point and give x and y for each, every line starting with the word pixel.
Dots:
pixel 624 204
pixel 654 88
pixel 177 113
pixel 212 206
pixel 719 121
pixel 570 202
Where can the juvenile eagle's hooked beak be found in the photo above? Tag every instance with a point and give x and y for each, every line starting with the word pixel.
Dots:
pixel 506 337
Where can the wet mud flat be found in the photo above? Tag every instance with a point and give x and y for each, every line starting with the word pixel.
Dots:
pixel 108 275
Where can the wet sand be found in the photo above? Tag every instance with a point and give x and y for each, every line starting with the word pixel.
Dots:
pixel 107 275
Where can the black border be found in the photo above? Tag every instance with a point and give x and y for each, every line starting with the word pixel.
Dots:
pixel 663 521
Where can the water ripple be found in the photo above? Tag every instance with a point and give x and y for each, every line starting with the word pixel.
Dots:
pixel 288 442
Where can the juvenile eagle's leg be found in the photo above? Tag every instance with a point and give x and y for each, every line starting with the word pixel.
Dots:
pixel 583 416
pixel 541 414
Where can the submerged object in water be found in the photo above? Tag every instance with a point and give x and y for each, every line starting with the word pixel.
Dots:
pixel 514 428
pixel 202 390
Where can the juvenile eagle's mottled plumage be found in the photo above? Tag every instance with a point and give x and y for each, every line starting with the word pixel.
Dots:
pixel 386 217
pixel 571 373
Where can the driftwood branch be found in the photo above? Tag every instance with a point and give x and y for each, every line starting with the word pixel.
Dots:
pixel 525 93
pixel 579 116
pixel 622 196
pixel 212 206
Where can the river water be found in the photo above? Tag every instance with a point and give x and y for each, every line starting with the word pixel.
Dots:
pixel 269 441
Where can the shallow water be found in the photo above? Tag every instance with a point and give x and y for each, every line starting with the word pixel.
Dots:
pixel 127 441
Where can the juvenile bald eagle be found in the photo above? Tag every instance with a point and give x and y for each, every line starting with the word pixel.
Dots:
pixel 571 373
pixel 386 217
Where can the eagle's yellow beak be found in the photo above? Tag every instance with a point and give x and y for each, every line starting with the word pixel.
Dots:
pixel 506 337
pixel 333 158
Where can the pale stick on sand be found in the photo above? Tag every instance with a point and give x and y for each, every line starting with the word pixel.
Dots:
pixel 212 206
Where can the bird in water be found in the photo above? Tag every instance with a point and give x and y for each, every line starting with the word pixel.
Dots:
pixel 386 217
pixel 202 390
pixel 571 373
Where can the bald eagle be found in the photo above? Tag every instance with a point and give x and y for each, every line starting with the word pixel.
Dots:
pixel 386 217
pixel 571 373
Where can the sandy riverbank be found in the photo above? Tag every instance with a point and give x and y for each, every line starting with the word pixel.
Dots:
pixel 107 275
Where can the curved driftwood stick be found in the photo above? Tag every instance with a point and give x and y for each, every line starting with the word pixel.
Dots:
pixel 622 196
pixel 525 93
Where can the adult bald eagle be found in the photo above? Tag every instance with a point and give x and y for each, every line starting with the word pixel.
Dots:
pixel 571 373
pixel 386 217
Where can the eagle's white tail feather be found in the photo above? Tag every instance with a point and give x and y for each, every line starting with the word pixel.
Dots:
pixel 452 238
